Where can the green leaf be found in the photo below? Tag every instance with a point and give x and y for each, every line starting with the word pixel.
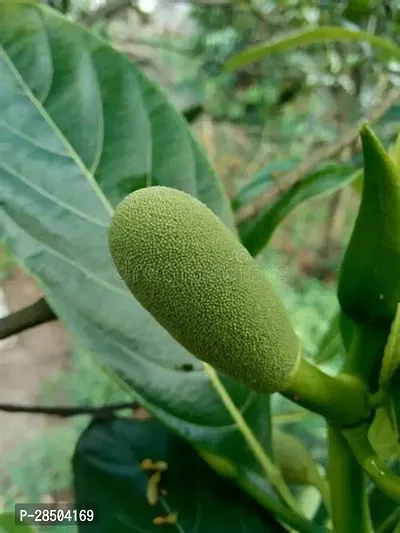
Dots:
pixel 261 182
pixel 7 525
pixel 309 36
pixel 107 472
pixel 331 343
pixel 391 356
pixel 99 110
pixel 358 183
pixel 76 114
pixel 256 233
pixel 383 433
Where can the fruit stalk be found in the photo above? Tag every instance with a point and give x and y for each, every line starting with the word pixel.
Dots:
pixel 349 501
pixel 342 399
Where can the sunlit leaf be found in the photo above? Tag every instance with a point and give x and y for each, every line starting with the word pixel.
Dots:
pixel 309 36
pixel 256 232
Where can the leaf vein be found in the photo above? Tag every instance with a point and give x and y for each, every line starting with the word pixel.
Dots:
pixel 51 197
pixel 31 140
pixel 35 102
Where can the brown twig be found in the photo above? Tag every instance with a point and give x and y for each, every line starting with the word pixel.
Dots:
pixel 28 317
pixel 64 412
pixel 322 155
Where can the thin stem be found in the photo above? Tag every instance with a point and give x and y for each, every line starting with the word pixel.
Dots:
pixel 364 360
pixel 268 430
pixel 366 456
pixel 28 317
pixel 283 513
pixel 64 412
pixel 390 523
pixel 349 501
pixel 272 473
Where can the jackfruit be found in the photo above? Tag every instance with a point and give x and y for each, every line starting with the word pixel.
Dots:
pixel 192 274
pixel 296 463
pixel 369 282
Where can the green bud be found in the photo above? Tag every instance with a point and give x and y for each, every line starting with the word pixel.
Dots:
pixel 369 284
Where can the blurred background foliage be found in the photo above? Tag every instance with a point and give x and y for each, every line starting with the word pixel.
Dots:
pixel 254 123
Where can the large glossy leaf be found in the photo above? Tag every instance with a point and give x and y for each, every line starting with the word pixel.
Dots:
pixel 79 127
pixel 307 37
pixel 256 232
pixel 107 473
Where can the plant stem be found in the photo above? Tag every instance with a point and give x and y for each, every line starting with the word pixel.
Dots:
pixel 389 524
pixel 349 501
pixel 340 399
pixel 34 315
pixel 281 512
pixel 272 473
pixel 374 467
pixel 68 411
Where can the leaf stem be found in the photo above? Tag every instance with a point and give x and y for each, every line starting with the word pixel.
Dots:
pixel 340 399
pixel 376 469
pixel 349 501
pixel 390 523
pixel 281 512
pixel 364 360
pixel 272 473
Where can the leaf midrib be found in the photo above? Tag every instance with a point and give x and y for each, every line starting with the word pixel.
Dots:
pixel 49 121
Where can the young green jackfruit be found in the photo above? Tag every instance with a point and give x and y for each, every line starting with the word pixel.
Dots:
pixel 294 459
pixel 192 274
pixel 369 284
pixel 296 463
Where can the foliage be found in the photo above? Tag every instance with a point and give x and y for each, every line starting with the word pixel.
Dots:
pixel 190 486
pixel 81 127
pixel 256 92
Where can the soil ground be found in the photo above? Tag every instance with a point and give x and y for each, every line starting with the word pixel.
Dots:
pixel 26 361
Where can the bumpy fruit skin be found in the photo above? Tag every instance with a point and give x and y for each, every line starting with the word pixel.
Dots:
pixel 192 274
pixel 369 283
